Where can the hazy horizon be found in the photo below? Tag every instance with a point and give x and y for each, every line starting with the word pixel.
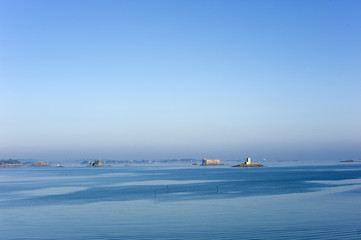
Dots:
pixel 180 79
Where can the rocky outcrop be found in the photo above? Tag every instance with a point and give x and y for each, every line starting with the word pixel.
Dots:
pixel 249 165
pixel 96 163
pixel 350 161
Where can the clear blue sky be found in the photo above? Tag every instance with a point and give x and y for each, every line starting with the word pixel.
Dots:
pixel 177 79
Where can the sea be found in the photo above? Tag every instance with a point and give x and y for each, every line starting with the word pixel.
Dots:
pixel 181 201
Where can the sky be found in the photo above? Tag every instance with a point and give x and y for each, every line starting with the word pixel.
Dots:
pixel 135 79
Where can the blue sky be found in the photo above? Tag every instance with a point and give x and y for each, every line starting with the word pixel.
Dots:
pixel 175 79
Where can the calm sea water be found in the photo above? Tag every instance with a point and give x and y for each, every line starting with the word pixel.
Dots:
pixel 181 202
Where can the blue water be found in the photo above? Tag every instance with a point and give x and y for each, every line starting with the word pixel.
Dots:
pixel 181 202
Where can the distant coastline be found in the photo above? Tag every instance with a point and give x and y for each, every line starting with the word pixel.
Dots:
pixel 10 163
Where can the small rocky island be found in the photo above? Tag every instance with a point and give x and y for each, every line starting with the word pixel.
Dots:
pixel 40 164
pixel 96 163
pixel 248 163
pixel 350 161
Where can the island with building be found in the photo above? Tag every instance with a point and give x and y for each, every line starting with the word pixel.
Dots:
pixel 96 163
pixel 248 163
pixel 40 164
pixel 206 162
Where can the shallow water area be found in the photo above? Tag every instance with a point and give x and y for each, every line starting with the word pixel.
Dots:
pixel 181 202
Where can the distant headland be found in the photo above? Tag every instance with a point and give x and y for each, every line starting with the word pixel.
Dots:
pixel 10 163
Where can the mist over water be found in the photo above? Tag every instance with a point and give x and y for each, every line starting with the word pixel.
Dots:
pixel 181 202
